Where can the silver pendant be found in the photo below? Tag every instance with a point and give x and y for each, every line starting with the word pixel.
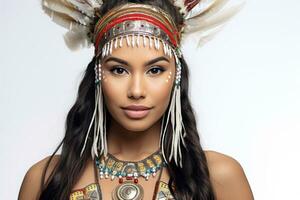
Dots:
pixel 128 191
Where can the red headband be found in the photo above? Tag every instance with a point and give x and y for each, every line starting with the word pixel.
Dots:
pixel 155 16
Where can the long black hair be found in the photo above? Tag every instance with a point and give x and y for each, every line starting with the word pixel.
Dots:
pixel 191 182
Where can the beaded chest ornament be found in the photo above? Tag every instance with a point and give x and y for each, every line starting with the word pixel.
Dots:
pixel 128 172
pixel 111 167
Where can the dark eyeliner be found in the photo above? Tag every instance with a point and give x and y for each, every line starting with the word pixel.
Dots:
pixel 162 69
pixel 115 67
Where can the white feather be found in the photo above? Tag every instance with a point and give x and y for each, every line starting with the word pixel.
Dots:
pixel 210 11
pixel 200 8
pixel 77 38
pixel 180 4
pixel 94 3
pixel 59 7
pixel 202 38
pixel 86 7
pixel 60 19
pixel 206 25
pixel 212 22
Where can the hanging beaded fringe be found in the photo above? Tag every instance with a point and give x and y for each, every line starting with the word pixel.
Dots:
pixel 133 40
pixel 178 130
pixel 99 121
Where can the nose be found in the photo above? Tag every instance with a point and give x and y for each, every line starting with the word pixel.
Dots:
pixel 136 88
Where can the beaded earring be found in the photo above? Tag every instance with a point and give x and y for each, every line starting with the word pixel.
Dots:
pixel 98 119
pixel 175 115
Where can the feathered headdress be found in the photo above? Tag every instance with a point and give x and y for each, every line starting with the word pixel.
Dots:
pixel 156 28
pixel 201 17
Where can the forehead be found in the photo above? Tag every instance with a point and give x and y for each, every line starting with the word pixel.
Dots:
pixel 133 47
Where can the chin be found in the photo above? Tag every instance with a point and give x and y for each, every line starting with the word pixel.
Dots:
pixel 136 125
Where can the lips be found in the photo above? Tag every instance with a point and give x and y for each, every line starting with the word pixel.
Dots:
pixel 136 111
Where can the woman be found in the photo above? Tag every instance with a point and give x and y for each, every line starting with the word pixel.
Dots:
pixel 131 133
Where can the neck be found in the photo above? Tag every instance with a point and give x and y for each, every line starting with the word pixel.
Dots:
pixel 132 145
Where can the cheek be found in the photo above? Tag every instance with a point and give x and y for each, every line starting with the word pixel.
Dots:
pixel 160 89
pixel 113 91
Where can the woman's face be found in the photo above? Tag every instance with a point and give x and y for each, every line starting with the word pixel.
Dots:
pixel 137 76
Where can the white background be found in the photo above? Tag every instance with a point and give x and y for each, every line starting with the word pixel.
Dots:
pixel 244 88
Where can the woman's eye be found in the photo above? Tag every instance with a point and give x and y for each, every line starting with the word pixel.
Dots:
pixel 156 70
pixel 118 70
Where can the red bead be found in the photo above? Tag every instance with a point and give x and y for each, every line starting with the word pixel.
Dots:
pixel 120 180
pixel 136 180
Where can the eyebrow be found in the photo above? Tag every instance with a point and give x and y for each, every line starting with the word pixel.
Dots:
pixel 111 58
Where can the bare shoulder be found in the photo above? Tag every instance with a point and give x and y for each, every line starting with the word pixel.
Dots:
pixel 228 177
pixel 221 165
pixel 31 184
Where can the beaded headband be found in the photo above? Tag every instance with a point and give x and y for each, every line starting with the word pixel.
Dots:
pixel 135 19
